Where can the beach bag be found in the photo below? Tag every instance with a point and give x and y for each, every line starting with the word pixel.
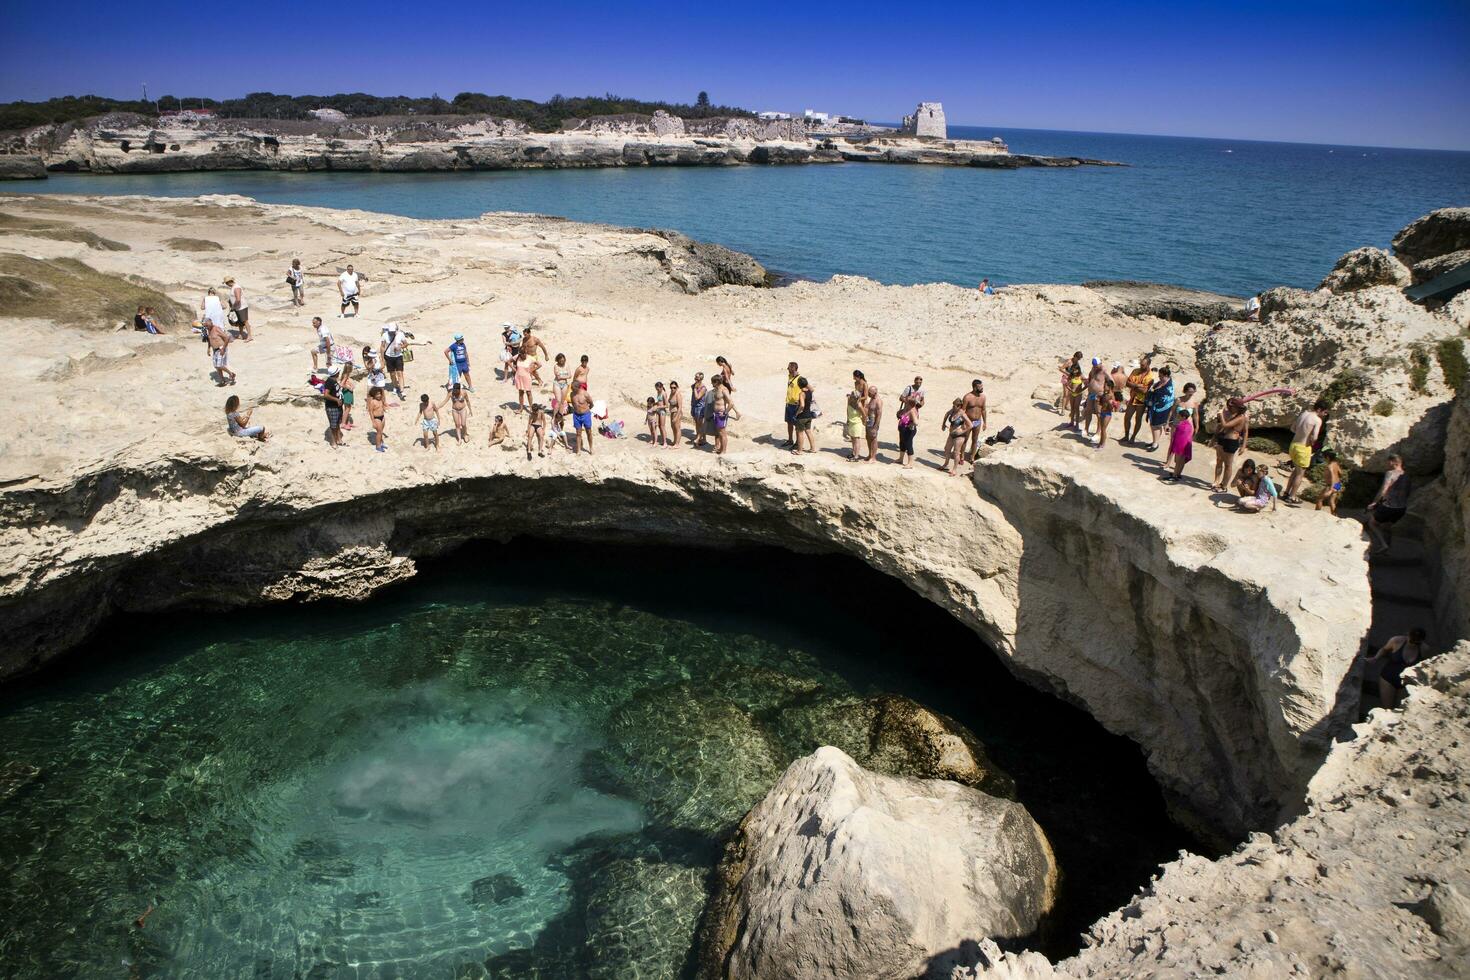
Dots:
pixel 1004 437
pixel 232 317
pixel 407 354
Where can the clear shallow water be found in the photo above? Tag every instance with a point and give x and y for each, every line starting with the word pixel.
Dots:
pixel 1232 216
pixel 472 776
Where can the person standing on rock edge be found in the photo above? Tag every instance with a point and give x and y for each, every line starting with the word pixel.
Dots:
pixel 239 307
pixel 872 420
pixel 377 402
pixel 676 414
pixel 1139 383
pixel 332 402
pixel 296 279
pixel 1329 495
pixel 219 353
pixel 1181 445
pixel 699 409
pixel 530 345
pixel 727 373
pixel 1065 398
pixel 1303 438
pixel 976 412
pixel 857 399
pixel 721 409
pixel 806 414
pixel 957 427
pixel 394 340
pixel 909 403
pixel 581 418
pixel 1097 383
pixel 349 288
pixel 1232 433
pixel 793 403
pixel 1158 405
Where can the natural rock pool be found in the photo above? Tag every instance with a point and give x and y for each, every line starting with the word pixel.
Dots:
pixel 521 763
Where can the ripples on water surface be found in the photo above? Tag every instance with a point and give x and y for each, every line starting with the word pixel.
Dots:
pixel 1234 216
pixel 468 777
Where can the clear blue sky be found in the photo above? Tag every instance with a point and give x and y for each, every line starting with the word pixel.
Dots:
pixel 1387 72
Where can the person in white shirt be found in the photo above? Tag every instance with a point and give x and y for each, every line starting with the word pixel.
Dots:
pixel 323 342
pixel 1253 309
pixel 211 310
pixel 395 339
pixel 349 286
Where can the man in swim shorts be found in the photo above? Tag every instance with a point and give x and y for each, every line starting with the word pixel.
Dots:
pixel 975 411
pixel 348 287
pixel 581 417
pixel 1303 436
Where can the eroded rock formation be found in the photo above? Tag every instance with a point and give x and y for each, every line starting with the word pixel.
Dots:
pixel 841 872
pixel 1364 267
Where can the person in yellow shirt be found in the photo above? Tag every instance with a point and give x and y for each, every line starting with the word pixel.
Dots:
pixel 1139 381
pixel 793 402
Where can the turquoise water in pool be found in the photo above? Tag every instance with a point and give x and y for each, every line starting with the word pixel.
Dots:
pixel 1235 216
pixel 484 773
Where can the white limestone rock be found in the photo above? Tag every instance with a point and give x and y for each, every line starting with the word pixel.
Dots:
pixel 841 872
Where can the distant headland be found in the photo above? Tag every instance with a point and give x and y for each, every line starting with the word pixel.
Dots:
pixel 471 132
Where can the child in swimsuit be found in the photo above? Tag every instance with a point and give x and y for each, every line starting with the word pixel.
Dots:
pixel 500 432
pixel 429 420
pixel 1334 482
pixel 377 409
pixel 651 417
pixel 459 407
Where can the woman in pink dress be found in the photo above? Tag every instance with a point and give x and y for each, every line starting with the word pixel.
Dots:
pixel 1181 444
pixel 523 382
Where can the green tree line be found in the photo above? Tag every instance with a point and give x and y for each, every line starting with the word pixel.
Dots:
pixel 539 116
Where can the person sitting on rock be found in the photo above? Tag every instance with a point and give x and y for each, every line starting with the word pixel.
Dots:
pixel 239 422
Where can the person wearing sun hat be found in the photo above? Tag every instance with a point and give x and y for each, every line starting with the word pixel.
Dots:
pixel 458 357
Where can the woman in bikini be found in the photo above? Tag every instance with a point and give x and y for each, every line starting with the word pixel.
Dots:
pixel 676 414
pixel 661 413
pixel 727 372
pixel 561 378
pixel 536 430
pixel 377 404
pixel 460 410
pixel 1231 433
pixel 957 424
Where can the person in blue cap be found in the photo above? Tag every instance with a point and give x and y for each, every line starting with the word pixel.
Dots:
pixel 459 363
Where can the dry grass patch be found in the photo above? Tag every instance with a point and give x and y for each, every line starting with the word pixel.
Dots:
pixel 72 292
pixel 193 245
pixel 36 228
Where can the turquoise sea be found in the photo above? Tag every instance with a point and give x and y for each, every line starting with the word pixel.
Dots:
pixel 1234 216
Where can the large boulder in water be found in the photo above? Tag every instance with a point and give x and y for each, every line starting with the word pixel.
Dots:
pixel 841 872
pixel 1364 267
pixel 1437 233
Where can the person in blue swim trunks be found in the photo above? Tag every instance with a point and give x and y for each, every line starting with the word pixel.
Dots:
pixel 458 357
pixel 581 417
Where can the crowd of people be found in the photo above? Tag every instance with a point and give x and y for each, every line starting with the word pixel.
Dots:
pixel 560 412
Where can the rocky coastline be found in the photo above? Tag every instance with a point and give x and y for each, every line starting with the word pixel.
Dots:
pixel 1225 649
pixel 123 143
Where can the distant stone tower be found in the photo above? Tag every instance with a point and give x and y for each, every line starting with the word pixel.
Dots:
pixel 927 120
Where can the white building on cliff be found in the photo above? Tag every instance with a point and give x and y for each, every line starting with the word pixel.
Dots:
pixel 927 120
